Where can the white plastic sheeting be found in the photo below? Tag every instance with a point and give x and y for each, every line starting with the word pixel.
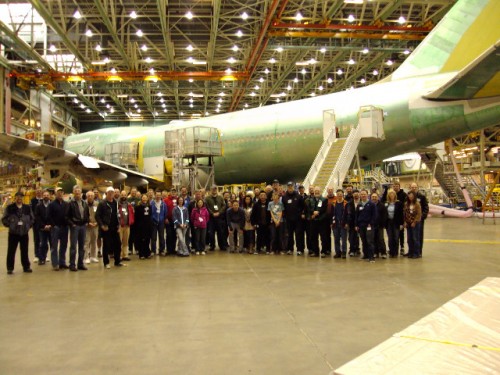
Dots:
pixel 460 337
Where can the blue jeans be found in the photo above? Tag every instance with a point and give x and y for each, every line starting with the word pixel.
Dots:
pixel 44 244
pixel 413 234
pixel 392 237
pixel 77 237
pixel 158 232
pixel 340 236
pixel 59 236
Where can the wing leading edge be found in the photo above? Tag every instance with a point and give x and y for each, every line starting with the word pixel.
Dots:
pixel 57 161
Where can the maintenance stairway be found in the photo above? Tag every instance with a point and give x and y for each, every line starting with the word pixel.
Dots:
pixel 335 156
pixel 444 174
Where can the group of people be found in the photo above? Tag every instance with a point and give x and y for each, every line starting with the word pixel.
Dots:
pixel 271 221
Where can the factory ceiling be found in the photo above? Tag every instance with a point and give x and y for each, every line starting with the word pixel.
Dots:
pixel 116 60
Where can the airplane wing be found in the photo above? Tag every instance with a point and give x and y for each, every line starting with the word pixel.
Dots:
pixel 479 79
pixel 56 162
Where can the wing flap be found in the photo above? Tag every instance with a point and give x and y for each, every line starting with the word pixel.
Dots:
pixel 479 79
pixel 18 150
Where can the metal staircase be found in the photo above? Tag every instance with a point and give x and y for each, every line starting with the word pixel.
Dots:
pixel 333 160
pixel 444 175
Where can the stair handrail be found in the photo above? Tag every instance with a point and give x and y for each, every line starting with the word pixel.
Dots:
pixel 344 159
pixel 320 158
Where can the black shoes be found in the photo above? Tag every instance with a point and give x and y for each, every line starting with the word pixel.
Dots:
pixel 64 267
pixel 10 272
pixel 73 268
pixel 27 270
pixel 337 256
pixel 82 268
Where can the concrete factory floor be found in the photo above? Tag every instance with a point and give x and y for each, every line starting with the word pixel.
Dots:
pixel 231 314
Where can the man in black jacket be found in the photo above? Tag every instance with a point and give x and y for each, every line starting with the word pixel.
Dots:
pixel 59 231
pixel 43 223
pixel 235 218
pixel 36 227
pixel 294 208
pixel 366 218
pixel 261 219
pixel 19 219
pixel 77 218
pixel 107 218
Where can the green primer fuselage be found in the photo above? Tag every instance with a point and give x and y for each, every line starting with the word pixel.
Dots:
pixel 281 140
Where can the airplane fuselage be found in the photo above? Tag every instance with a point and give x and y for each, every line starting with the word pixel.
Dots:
pixel 281 140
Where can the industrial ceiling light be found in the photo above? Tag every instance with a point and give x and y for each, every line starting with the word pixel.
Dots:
pixel 261 79
pixel 52 48
pixel 329 80
pixel 350 18
pixel 351 62
pixel 77 15
pixel 98 48
pixel 144 47
pixel 189 15
pixel 322 50
pixel 244 15
pixel 89 33
pixel 239 33
pixel 389 62
pixel 375 72
pixel 235 48
pixel 279 49
pixel 139 33
pixel 133 15
pixel 272 60
pixel 365 50
pixel 190 48
pixel 231 60
pixel 340 72
pixel 148 60
pixel 401 20
pixel 299 17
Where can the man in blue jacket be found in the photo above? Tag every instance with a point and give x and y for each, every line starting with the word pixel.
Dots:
pixel 159 218
pixel 366 218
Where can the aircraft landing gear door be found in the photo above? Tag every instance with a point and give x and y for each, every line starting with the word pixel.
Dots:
pixel 328 123
pixel 371 122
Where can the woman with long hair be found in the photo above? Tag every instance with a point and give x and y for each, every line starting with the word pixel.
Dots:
pixel 199 218
pixel 394 222
pixel 412 217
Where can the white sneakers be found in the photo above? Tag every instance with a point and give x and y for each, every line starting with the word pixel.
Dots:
pixel 87 260
pixel 94 260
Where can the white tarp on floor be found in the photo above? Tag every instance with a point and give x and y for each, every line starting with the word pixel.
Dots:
pixel 460 337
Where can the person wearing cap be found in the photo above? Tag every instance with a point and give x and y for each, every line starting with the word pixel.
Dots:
pixel 92 230
pixel 19 218
pixel 77 218
pixel 294 206
pixel 108 220
pixel 59 233
pixel 316 211
pixel 353 235
pixel 261 220
pixel 126 217
pixel 275 187
pixel 216 207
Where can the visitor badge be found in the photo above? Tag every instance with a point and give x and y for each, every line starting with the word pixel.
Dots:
pixel 19 223
pixel 361 208
pixel 289 201
pixel 216 208
pixel 369 228
pixel 320 203
pixel 200 219
pixel 175 202
pixel 95 208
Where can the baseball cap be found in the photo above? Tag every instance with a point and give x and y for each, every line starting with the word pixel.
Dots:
pixel 275 181
pixel 19 194
pixel 110 188
pixel 301 187
pixel 290 183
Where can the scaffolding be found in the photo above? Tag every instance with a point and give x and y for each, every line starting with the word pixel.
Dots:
pixel 192 151
pixel 123 154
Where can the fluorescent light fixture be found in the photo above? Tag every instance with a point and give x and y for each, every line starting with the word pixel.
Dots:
pixel 261 79
pixel 351 62
pixel 133 15
pixel 298 17
pixel 190 48
pixel 52 48
pixel 375 72
pixel 329 80
pixel 98 48
pixel 139 33
pixel 363 81
pixel 189 15
pixel 296 80
pixel 365 50
pixel 389 62
pixel 235 48
pixel 148 60
pixel 122 96
pixel 322 50
pixel 89 33
pixel 144 47
pixel 244 15
pixel 272 60
pixel 340 72
pixel 279 49
pixel 239 33
pixel 266 71
pixel 77 15
pixel 350 18
pixel 321 88
pixel 231 60
pixel 401 20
